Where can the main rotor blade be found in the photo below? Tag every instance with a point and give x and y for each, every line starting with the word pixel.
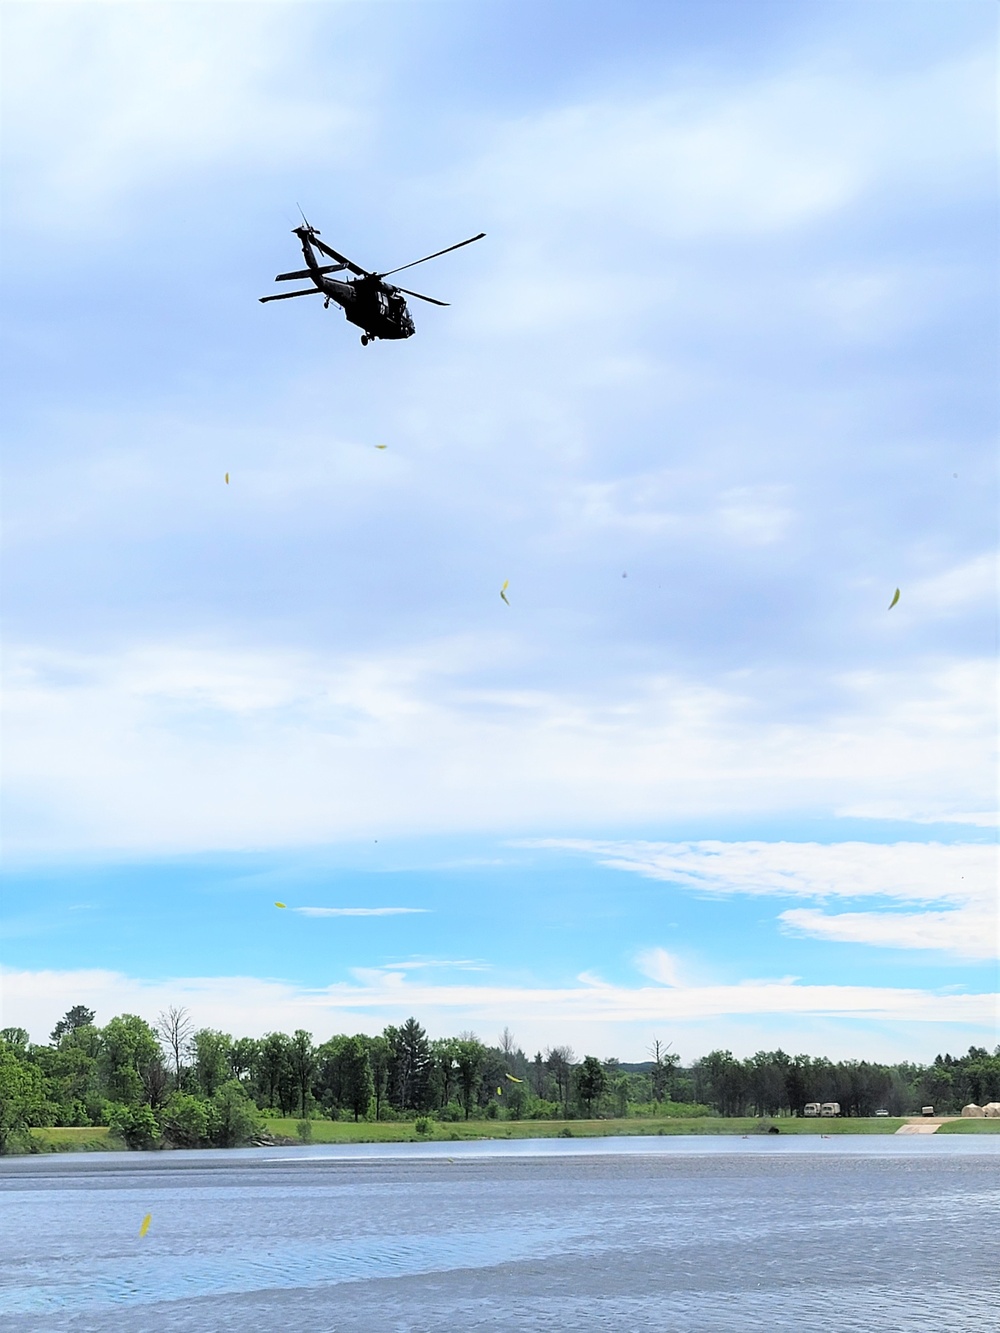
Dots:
pixel 287 296
pixel 307 273
pixel 446 251
pixel 432 299
pixel 341 259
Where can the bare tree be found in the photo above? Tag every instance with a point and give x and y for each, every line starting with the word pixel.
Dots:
pixel 507 1043
pixel 175 1027
pixel 559 1060
pixel 663 1067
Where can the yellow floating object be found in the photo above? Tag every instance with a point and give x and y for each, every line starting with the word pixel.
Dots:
pixel 503 590
pixel 279 904
pixel 513 1079
pixel 227 478
pixel 499 1092
pixel 381 446
pixel 895 599
pixel 144 1224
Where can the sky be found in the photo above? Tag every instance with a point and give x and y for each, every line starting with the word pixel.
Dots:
pixel 718 380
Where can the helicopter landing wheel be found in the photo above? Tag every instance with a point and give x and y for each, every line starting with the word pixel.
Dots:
pixel 364 340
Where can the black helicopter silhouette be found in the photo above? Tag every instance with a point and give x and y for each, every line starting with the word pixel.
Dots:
pixel 375 306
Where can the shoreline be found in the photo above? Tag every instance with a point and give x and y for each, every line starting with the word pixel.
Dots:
pixel 282 1132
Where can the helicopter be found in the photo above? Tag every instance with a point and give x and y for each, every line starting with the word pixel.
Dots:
pixel 375 306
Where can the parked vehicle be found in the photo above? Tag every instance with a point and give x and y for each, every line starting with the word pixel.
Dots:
pixel 927 1110
pixel 881 1111
pixel 830 1108
pixel 811 1108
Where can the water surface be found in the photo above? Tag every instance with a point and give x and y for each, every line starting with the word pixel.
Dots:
pixel 687 1234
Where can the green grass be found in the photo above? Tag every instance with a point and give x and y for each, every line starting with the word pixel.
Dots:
pixel 75 1138
pixel 86 1138
pixel 970 1127
pixel 342 1131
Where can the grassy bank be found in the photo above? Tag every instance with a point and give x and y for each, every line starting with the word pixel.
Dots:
pixel 327 1131
pixel 97 1139
pixel 75 1138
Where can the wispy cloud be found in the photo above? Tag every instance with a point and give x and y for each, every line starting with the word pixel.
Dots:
pixel 268 748
pixel 959 879
pixel 460 964
pixel 252 1005
pixel 658 965
pixel 965 931
pixel 359 911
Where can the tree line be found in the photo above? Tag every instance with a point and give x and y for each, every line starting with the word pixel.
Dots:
pixel 173 1083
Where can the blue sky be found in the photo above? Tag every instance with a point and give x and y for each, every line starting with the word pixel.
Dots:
pixel 719 378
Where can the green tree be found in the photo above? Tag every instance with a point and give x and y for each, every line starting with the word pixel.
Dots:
pixel 18 1038
pixel 134 1124
pixel 358 1084
pixel 130 1062
pixel 722 1082
pixel 445 1068
pixel 234 1118
pixel 185 1120
pixel 470 1054
pixel 410 1066
pixel 302 1058
pixel 591 1081
pixel 77 1017
pixel 559 1062
pixel 71 1075
pixel 378 1056
pixel 328 1079
pixel 274 1073
pixel 211 1051
pixel 22 1096
pixel 243 1058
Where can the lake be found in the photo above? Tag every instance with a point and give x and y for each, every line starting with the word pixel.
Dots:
pixel 689 1234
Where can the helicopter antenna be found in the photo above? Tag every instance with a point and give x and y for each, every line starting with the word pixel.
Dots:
pixel 308 225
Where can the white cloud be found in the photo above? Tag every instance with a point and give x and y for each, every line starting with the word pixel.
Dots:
pixel 100 99
pixel 960 879
pixel 358 911
pixel 713 160
pixel 973 582
pixel 619 1016
pixel 178 747
pixel 659 965
pixel 968 931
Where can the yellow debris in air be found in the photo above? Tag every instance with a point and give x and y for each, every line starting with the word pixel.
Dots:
pixel 499 1092
pixel 503 590
pixel 895 599
pixel 279 904
pixel 381 446
pixel 144 1224
pixel 227 478
pixel 513 1079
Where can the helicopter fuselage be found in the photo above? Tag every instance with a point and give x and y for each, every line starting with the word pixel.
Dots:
pixel 375 307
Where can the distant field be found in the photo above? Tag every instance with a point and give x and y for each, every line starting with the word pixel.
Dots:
pixel 341 1131
pixel 970 1127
